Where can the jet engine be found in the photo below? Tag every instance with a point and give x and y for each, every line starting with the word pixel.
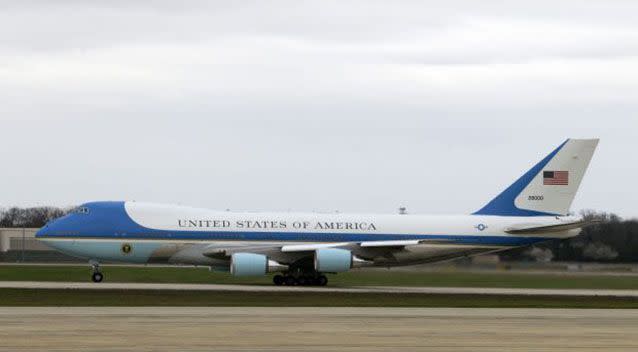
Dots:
pixel 333 260
pixel 251 264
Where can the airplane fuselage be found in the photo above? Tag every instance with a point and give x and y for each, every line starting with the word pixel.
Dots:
pixel 146 232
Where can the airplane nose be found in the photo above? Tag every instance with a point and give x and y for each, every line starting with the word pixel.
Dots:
pixel 43 232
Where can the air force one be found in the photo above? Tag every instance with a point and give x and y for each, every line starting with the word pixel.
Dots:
pixel 302 248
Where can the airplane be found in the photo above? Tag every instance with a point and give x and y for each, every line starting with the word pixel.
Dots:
pixel 300 248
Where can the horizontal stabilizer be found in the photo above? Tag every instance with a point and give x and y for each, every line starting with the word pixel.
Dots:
pixel 534 229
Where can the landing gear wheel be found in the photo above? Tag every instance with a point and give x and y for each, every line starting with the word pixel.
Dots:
pixel 278 280
pixel 96 274
pixel 290 281
pixel 322 280
pixel 97 277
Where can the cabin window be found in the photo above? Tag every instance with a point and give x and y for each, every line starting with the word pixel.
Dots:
pixel 81 210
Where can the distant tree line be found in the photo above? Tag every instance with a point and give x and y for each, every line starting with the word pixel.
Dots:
pixel 611 240
pixel 30 217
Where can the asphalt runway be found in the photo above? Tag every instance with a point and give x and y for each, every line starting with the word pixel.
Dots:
pixel 316 329
pixel 360 289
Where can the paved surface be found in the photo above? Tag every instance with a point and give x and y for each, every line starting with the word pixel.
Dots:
pixel 316 329
pixel 361 289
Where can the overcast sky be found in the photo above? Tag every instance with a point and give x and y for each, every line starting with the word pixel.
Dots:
pixel 313 106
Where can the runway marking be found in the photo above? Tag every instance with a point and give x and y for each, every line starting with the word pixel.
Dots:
pixel 355 289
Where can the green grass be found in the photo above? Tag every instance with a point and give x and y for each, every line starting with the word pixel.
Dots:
pixel 353 278
pixel 50 297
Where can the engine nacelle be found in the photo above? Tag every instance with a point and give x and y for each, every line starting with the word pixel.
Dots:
pixel 251 264
pixel 333 260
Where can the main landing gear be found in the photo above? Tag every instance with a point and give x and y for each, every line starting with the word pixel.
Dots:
pixel 301 280
pixel 96 274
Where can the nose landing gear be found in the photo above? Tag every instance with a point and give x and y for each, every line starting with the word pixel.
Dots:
pixel 96 274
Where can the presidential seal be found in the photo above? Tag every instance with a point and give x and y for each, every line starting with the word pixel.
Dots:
pixel 126 248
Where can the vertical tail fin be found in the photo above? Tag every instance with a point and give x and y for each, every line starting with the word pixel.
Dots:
pixel 549 187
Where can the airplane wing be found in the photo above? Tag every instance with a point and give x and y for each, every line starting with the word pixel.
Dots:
pixel 387 252
pixel 296 248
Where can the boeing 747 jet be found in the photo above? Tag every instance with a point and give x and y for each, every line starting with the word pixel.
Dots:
pixel 302 247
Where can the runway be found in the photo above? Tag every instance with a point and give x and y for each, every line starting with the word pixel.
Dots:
pixel 316 329
pixel 360 289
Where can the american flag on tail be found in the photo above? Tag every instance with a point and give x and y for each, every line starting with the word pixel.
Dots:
pixel 556 178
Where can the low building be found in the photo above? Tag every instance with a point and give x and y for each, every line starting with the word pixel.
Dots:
pixel 20 245
pixel 16 239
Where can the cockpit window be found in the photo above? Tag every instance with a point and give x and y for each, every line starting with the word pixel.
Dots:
pixel 81 210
